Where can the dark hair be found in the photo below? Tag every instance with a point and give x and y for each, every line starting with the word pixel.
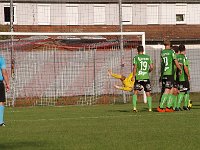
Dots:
pixel 182 47
pixel 167 42
pixel 140 49
pixel 175 48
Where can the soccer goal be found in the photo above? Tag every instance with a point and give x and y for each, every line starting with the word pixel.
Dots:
pixel 68 68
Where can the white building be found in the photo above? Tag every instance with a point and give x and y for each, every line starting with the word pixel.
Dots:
pixel 101 12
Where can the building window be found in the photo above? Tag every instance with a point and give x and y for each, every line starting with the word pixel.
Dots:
pixel 181 10
pixel 99 14
pixel 44 14
pixel 152 14
pixel 180 17
pixel 127 14
pixel 7 15
pixel 72 14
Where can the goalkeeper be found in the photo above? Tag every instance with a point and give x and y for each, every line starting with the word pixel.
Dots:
pixel 126 81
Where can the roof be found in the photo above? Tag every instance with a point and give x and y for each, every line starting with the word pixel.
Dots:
pixel 103 1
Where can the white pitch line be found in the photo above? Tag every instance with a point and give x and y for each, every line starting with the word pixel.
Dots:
pixel 74 118
pixel 97 117
pixel 92 117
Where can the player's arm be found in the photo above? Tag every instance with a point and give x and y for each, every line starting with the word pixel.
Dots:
pixel 134 68
pixel 187 71
pixel 6 79
pixel 4 73
pixel 177 63
pixel 186 68
pixel 178 66
pixel 161 69
pixel 151 66
pixel 134 71
pixel 117 76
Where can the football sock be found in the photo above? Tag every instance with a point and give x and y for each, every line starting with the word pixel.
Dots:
pixel 1 114
pixel 161 96
pixel 174 101
pixel 180 98
pixel 163 100
pixel 149 100
pixel 186 97
pixel 170 101
pixel 134 100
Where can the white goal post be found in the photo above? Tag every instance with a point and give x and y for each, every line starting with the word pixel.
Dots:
pixel 70 34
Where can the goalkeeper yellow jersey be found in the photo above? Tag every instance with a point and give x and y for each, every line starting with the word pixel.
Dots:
pixel 128 83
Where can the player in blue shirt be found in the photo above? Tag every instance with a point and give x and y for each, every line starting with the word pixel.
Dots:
pixel 4 83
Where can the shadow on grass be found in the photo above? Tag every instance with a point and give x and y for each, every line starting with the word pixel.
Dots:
pixel 147 110
pixel 23 145
pixel 130 110
pixel 120 110
pixel 195 108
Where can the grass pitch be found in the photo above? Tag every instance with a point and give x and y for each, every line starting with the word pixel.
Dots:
pixel 99 127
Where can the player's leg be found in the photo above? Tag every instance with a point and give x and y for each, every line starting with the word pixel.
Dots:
pixel 137 86
pixel 129 89
pixel 149 101
pixel 180 98
pixel 162 91
pixel 166 95
pixel 169 93
pixel 190 104
pixel 164 98
pixel 135 100
pixel 2 101
pixel 118 87
pixel 175 101
pixel 162 82
pixel 170 98
pixel 175 107
pixel 186 101
pixel 189 101
pixel 175 96
pixel 2 113
pixel 186 96
pixel 118 76
pixel 147 89
pixel 180 95
pixel 170 101
pixel 124 88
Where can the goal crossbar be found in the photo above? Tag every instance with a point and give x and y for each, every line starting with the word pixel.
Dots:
pixel 72 33
pixel 142 34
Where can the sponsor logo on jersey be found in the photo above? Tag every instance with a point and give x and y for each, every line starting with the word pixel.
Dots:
pixel 140 59
pixel 141 73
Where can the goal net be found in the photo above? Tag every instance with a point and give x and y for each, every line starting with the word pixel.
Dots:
pixel 68 68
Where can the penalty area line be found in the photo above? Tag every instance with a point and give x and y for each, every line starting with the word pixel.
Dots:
pixel 74 118
pixel 94 117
